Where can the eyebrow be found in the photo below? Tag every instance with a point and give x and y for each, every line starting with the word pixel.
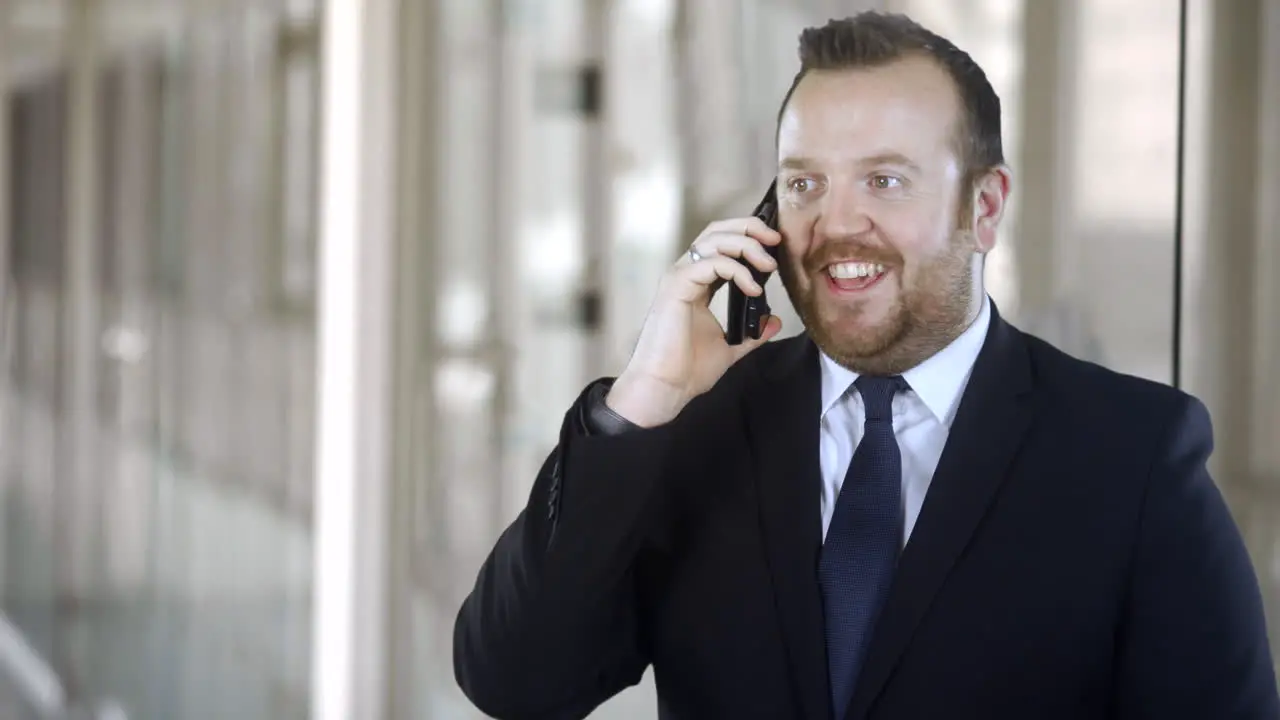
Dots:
pixel 891 158
pixel 795 163
pixel 884 158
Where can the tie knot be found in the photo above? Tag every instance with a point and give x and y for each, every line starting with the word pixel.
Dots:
pixel 877 395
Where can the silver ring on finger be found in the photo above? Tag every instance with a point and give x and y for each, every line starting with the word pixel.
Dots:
pixel 694 255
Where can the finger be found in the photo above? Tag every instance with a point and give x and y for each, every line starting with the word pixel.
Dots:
pixel 772 326
pixel 696 281
pixel 750 226
pixel 737 246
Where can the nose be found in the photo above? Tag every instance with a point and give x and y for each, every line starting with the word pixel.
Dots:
pixel 844 212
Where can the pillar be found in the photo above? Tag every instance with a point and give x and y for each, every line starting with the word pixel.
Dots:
pixel 355 349
pixel 77 502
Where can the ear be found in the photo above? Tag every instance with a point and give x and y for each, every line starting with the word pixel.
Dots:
pixel 990 193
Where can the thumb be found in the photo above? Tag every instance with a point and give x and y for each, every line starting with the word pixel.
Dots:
pixel 772 326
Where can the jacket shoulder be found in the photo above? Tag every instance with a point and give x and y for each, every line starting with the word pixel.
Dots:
pixel 1075 384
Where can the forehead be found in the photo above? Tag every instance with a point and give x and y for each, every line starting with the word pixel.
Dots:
pixel 909 106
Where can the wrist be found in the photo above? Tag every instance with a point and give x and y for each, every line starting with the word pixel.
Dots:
pixel 597 418
pixel 644 402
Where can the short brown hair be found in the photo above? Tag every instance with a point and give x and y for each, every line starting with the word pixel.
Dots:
pixel 874 39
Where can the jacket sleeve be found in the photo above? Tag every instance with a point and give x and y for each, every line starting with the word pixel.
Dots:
pixel 551 628
pixel 1194 641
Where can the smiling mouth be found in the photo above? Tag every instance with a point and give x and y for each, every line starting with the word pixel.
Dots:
pixel 855 276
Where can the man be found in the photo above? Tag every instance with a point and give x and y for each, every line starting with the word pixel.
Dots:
pixel 914 510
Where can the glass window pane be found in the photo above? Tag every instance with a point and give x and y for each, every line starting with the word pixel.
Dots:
pixel 196 602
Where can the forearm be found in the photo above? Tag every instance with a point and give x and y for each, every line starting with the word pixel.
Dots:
pixel 551 623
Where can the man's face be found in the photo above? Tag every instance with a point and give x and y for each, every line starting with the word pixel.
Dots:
pixel 876 258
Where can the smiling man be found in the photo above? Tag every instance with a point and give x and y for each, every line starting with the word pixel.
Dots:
pixel 913 510
pixel 887 208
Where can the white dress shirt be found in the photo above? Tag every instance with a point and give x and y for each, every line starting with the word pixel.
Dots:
pixel 922 419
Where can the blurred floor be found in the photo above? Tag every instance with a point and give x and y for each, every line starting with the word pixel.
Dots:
pixel 221 622
pixel 12 705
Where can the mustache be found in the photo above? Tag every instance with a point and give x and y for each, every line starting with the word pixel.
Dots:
pixel 862 251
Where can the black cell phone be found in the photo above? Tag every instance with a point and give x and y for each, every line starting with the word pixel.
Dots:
pixel 747 314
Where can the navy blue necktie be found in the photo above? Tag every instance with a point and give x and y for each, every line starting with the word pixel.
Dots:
pixel 863 540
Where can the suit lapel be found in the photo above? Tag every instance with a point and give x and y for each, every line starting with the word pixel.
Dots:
pixel 988 429
pixel 782 425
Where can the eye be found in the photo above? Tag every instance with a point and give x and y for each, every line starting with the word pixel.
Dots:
pixel 886 182
pixel 800 185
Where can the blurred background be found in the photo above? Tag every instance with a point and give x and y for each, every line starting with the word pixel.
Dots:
pixel 294 294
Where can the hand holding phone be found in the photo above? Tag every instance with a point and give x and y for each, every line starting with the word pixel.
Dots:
pixel 683 350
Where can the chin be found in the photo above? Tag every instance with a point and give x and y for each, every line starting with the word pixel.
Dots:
pixel 847 340
pixel 869 316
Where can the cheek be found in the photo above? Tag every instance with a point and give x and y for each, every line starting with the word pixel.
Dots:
pixel 925 215
pixel 921 241
pixel 794 247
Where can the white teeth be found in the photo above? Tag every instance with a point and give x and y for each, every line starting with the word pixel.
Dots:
pixel 849 270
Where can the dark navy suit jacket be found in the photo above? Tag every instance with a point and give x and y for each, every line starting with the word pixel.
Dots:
pixel 1073 559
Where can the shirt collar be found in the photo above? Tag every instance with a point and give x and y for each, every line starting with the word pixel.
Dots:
pixel 939 381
